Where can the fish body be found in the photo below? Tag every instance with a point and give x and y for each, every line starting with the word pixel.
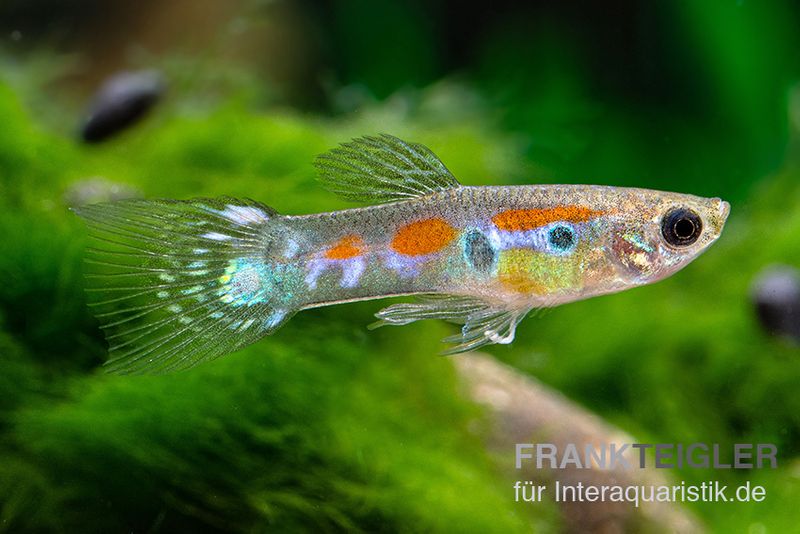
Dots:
pixel 178 282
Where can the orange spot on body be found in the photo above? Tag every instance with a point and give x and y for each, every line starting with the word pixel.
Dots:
pixel 347 247
pixel 423 237
pixel 521 220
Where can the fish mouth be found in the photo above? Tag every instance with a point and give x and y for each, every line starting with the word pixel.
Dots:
pixel 724 209
pixel 719 216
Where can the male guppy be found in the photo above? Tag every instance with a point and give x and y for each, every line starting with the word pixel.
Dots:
pixel 179 282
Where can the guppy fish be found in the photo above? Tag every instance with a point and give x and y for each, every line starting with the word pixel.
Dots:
pixel 180 282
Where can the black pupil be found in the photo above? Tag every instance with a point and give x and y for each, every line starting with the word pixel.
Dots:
pixel 681 227
pixel 562 238
pixel 684 228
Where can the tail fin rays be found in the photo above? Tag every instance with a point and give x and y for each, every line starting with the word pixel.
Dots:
pixel 175 283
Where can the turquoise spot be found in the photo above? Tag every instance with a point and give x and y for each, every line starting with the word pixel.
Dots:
pixel 562 239
pixel 636 240
pixel 248 282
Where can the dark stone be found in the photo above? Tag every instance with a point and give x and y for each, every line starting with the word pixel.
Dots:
pixel 121 102
pixel 776 297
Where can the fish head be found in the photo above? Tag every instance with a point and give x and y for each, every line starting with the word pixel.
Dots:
pixel 654 234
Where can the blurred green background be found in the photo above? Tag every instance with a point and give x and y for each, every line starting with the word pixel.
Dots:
pixel 326 426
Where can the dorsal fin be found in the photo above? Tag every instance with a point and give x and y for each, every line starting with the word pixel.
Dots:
pixel 383 169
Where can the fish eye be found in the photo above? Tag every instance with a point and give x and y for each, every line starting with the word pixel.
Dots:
pixel 681 227
pixel 561 238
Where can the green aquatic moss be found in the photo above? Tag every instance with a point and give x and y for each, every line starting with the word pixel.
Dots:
pixel 290 434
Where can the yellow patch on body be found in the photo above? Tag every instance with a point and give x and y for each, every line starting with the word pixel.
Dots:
pixel 514 271
pixel 532 272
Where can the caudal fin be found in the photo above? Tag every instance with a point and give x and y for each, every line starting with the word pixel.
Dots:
pixel 174 283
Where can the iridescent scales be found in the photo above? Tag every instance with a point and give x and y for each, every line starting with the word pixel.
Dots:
pixel 555 230
pixel 530 243
pixel 346 255
pixel 245 282
pixel 249 282
pixel 404 252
